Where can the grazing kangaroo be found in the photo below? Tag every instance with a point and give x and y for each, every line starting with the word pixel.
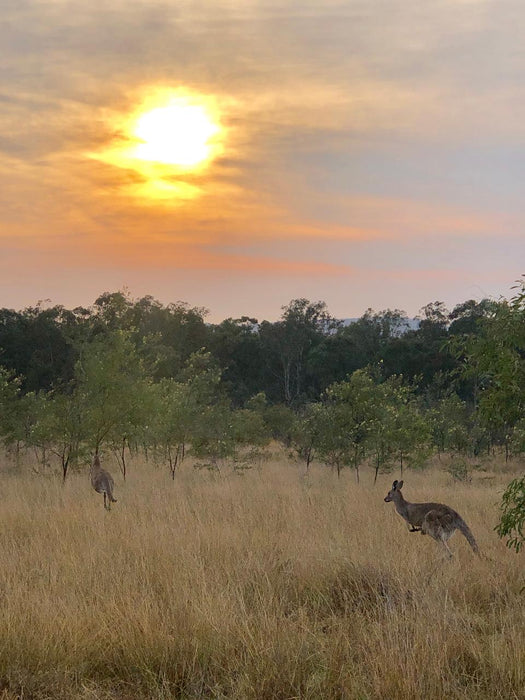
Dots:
pixel 434 519
pixel 102 482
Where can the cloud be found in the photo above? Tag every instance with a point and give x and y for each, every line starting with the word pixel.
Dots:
pixel 358 135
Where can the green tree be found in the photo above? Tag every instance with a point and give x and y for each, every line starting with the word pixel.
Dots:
pixel 236 344
pixel 9 406
pixel 111 384
pixel 351 409
pixel 450 425
pixel 171 422
pixel 58 427
pixel 36 345
pixel 279 421
pixel 507 334
pixel 512 518
pixel 307 432
pixel 288 343
pixel 181 405
pixel 497 357
pixel 399 432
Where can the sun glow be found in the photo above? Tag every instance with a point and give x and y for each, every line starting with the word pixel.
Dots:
pixel 177 134
pixel 168 141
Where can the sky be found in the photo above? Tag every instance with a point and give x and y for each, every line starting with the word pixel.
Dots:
pixel 365 153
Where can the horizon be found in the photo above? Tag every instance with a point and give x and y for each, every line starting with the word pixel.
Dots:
pixel 365 155
pixel 210 318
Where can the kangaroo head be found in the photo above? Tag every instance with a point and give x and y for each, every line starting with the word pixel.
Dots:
pixel 396 486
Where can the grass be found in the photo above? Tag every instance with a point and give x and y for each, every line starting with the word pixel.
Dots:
pixel 253 586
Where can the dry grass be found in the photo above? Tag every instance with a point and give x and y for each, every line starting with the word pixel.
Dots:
pixel 266 585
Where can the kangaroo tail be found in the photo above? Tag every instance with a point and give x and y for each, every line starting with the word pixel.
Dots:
pixel 465 530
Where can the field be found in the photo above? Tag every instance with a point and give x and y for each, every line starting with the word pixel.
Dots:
pixel 263 585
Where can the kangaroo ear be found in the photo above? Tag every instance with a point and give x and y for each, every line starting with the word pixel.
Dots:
pixel 394 485
pixel 399 485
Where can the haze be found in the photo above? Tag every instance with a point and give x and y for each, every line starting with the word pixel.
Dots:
pixel 371 153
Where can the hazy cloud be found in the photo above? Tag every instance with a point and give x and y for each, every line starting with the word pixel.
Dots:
pixel 354 131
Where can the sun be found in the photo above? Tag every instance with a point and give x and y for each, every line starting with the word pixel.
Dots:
pixel 165 146
pixel 179 133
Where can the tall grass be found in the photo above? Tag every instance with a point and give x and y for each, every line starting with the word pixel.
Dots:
pixel 261 585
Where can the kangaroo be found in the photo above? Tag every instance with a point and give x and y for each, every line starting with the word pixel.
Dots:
pixel 434 519
pixel 102 482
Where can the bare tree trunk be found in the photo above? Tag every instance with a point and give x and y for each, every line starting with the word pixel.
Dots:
pixel 309 457
pixel 171 462
pixel 123 457
pixel 65 464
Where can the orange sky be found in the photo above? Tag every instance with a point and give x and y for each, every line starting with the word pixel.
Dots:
pixel 366 153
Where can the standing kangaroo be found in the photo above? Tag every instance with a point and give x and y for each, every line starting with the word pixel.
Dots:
pixel 434 519
pixel 102 482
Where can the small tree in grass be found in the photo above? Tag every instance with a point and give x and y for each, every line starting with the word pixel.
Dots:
pixel 58 428
pixel 510 379
pixel 112 386
pixel 172 420
pixel 398 431
pixel 11 408
pixel 252 434
pixel 351 407
pixel 448 421
pixel 497 355
pixel 307 432
pixel 512 519
pixel 184 407
pixel 213 435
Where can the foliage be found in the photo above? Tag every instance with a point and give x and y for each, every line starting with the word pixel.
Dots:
pixel 307 432
pixel 288 342
pixel 111 385
pixel 512 518
pixel 351 409
pixel 496 357
pixel 136 374
pixel 9 405
pixel 59 427
pixel 459 470
pixel 400 433
pixel 448 421
pixel 279 421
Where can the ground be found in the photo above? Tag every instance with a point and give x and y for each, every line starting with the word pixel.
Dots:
pixel 266 584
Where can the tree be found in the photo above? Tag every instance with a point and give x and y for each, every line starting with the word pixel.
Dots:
pixel 351 408
pixel 356 345
pixel 236 344
pixel 182 407
pixel 496 356
pixel 466 318
pixel 509 377
pixel 307 432
pixel 9 394
pixel 512 518
pixel 36 345
pixel 111 384
pixel 450 425
pixel 399 432
pixel 171 421
pixel 59 427
pixel 288 342
pixel 434 320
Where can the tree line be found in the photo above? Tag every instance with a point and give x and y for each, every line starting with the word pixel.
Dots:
pixel 380 392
